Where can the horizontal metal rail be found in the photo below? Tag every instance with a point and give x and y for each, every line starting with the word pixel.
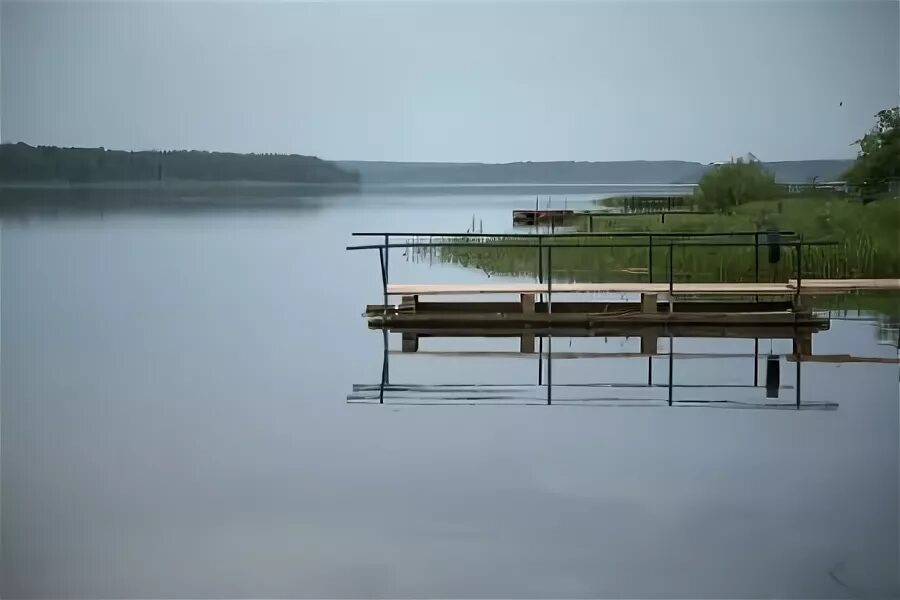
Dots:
pixel 675 243
pixel 546 243
pixel 570 234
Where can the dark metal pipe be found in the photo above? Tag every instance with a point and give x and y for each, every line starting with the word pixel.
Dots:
pixel 540 260
pixel 549 280
pixel 755 362
pixel 383 277
pixel 540 360
pixel 756 255
pixel 519 245
pixel 671 271
pixel 387 254
pixel 550 369
pixel 671 367
pixel 570 234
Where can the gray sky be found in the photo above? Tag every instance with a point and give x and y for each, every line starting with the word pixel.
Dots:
pixel 452 82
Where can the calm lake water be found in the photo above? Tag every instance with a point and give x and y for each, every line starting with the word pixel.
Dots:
pixel 175 423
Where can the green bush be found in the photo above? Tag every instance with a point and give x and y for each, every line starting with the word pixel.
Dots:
pixel 725 187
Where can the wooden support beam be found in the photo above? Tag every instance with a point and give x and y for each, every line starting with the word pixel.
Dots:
pixel 649 341
pixel 810 287
pixel 648 303
pixel 585 307
pixel 527 301
pixel 410 342
pixel 803 343
pixel 408 304
pixel 526 343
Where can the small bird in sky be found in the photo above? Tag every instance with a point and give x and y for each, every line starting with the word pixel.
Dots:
pixel 841 103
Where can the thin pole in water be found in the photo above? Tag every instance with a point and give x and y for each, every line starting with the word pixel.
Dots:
pixel 540 360
pixel 385 373
pixel 671 365
pixel 549 369
pixel 755 362
pixel 383 277
pixel 387 254
pixel 549 280
pixel 671 271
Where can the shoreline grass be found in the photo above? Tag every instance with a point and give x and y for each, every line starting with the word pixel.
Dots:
pixel 867 237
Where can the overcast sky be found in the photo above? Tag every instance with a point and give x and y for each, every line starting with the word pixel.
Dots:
pixel 452 81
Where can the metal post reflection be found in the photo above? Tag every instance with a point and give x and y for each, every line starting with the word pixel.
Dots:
pixel 510 394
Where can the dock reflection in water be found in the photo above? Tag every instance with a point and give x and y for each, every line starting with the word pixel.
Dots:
pixel 763 388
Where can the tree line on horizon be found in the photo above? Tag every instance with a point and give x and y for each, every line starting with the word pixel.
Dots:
pixel 22 163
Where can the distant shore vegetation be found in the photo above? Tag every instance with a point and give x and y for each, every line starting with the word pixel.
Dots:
pixel 22 163
pixel 739 196
pixel 866 237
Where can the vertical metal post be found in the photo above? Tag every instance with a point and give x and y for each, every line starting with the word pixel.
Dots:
pixel 387 256
pixel 540 360
pixel 590 223
pixel 671 366
pixel 549 369
pixel 549 281
pixel 755 362
pixel 383 277
pixel 650 259
pixel 540 265
pixel 650 370
pixel 671 271
pixel 756 255
pixel 385 373
pixel 663 218
pixel 756 262
pixel 540 259
pixel 799 357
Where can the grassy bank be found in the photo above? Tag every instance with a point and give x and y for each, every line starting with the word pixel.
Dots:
pixel 867 236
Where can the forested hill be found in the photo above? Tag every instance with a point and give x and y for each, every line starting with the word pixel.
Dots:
pixel 560 172
pixel 639 171
pixel 21 163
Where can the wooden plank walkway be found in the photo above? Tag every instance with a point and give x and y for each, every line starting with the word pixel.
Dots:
pixel 848 285
pixel 807 287
pixel 813 358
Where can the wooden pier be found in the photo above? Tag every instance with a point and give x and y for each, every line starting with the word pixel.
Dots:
pixel 531 217
pixel 763 393
pixel 668 308
pixel 553 217
pixel 530 318
pixel 808 287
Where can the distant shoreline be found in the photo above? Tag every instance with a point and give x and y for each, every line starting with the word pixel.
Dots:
pixel 173 191
pixel 171 184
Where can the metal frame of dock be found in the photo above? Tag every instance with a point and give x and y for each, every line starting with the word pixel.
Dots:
pixel 542 392
pixel 544 244
pixel 751 310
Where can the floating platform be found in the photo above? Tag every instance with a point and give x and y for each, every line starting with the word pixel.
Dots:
pixel 558 216
pixel 528 318
pixel 532 217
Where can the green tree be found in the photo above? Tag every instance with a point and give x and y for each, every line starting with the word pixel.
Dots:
pixel 724 187
pixel 879 151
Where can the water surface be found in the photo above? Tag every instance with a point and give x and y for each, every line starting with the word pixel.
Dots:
pixel 174 423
